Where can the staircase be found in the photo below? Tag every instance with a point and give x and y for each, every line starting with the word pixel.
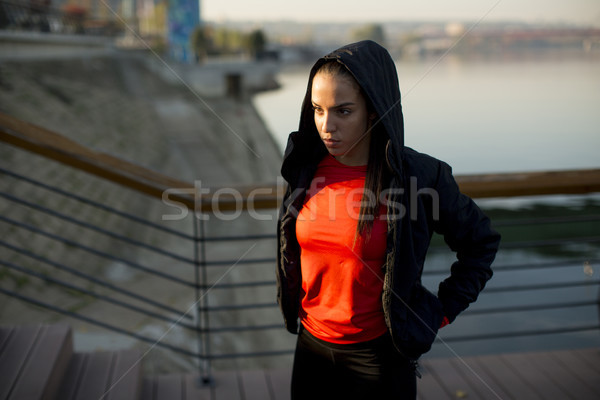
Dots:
pixel 38 362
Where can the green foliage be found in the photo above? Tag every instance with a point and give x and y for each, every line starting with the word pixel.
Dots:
pixel 256 42
pixel 200 42
pixel 369 32
pixel 19 280
pixel 206 40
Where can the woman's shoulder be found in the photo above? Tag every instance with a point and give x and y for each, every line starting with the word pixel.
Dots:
pixel 423 165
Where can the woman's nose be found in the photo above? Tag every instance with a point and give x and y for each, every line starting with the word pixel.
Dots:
pixel 327 123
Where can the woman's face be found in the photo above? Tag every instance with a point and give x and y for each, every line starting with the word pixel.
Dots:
pixel 341 118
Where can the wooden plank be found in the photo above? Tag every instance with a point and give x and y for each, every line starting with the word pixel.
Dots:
pixel 5 333
pixel 126 377
pixel 480 381
pixel 516 383
pixel 254 385
pixel 490 388
pixel 227 385
pixel 453 383
pixel 14 357
pixel 169 387
pixel 73 376
pixel 487 366
pixel 530 183
pixel 149 389
pixel 562 377
pixel 96 375
pixel 579 368
pixel 280 383
pixel 429 386
pixel 591 357
pixel 543 385
pixel 195 389
pixel 46 364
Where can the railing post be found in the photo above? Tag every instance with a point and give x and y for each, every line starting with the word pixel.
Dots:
pixel 202 317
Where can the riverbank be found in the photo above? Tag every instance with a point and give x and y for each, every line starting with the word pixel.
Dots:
pixel 139 108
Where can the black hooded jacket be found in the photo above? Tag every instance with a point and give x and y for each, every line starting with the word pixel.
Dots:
pixel 423 198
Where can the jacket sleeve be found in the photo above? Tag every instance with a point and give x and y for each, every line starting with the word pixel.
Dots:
pixel 468 233
pixel 289 276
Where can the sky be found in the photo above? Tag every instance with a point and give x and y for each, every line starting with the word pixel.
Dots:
pixel 586 12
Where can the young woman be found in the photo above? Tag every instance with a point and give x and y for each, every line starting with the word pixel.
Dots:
pixel 354 229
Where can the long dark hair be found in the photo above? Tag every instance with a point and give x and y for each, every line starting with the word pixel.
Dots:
pixel 378 173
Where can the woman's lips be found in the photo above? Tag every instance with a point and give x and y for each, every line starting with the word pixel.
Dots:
pixel 331 142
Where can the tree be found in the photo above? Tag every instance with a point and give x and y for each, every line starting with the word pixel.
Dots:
pixel 256 43
pixel 200 43
pixel 369 32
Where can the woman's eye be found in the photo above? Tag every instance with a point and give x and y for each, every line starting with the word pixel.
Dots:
pixel 344 111
pixel 318 110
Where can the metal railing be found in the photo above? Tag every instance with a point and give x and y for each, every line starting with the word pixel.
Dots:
pixel 232 315
pixel 34 263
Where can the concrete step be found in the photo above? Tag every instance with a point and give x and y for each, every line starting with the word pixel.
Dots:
pixel 33 360
pixel 37 362
pixel 107 375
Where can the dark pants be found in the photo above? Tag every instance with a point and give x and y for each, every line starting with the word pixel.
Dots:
pixel 368 370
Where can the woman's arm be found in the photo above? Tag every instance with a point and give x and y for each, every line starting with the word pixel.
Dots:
pixel 467 231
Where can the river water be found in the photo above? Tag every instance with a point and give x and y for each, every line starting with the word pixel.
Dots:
pixel 505 114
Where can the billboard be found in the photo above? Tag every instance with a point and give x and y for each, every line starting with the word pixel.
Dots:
pixel 183 17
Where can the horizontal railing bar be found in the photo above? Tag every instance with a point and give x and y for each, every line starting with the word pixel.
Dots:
pixel 101 324
pixel 533 332
pixel 92 279
pixel 467 312
pixel 549 242
pixel 472 311
pixel 497 223
pixel 546 220
pixel 95 252
pixel 541 286
pixel 531 307
pixel 242 328
pixel 54 146
pixel 97 229
pixel 520 184
pixel 238 307
pixel 98 205
pixel 499 335
pixel 98 296
pixel 57 147
pixel 534 243
pixel 221 263
pixel 523 267
pixel 251 354
pixel 528 244
pixel 269 236
pixel 237 285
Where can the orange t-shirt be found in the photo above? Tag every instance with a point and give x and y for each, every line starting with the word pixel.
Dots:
pixel 342 280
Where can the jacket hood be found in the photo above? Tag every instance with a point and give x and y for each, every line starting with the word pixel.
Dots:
pixel 375 71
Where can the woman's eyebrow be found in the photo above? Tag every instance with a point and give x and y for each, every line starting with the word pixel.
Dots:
pixel 346 104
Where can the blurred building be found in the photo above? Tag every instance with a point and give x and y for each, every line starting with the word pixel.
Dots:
pixel 171 21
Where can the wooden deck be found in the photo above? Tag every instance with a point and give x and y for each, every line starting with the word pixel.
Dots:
pixel 569 374
pixel 38 362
